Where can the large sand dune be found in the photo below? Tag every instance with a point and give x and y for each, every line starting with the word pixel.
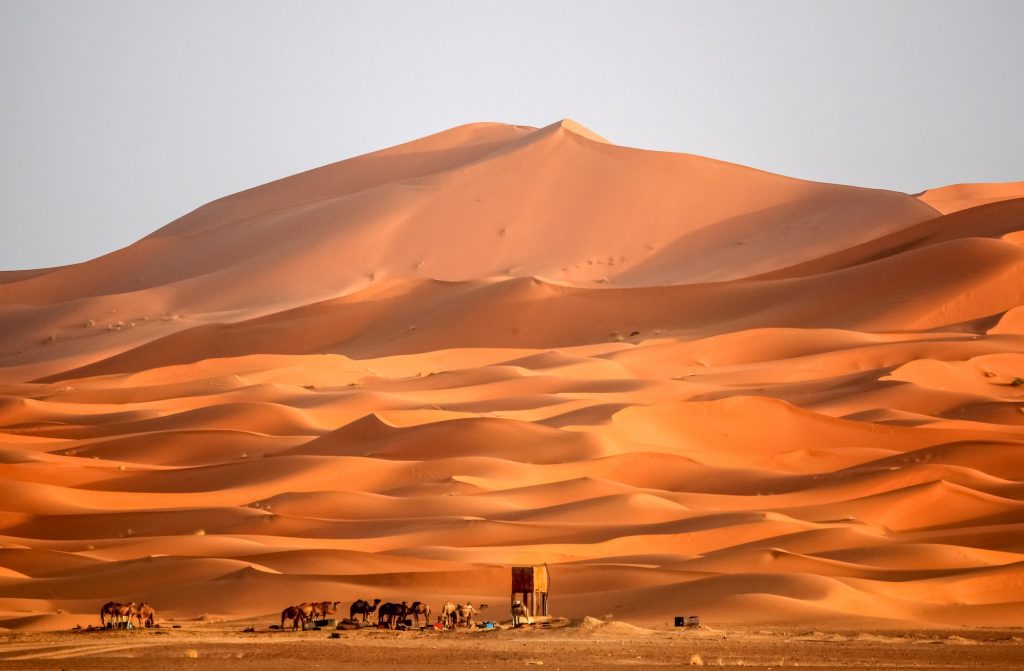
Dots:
pixel 686 385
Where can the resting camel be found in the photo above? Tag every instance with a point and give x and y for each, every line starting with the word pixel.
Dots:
pixel 390 614
pixel 293 613
pixel 464 615
pixel 146 615
pixel 117 611
pixel 519 612
pixel 360 607
pixel 322 609
pixel 447 616
pixel 419 609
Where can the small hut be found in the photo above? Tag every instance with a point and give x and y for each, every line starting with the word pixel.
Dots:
pixel 530 585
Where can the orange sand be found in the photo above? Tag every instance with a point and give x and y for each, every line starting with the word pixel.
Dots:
pixel 689 386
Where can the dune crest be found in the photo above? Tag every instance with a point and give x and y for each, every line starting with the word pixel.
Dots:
pixel 956 197
pixel 673 379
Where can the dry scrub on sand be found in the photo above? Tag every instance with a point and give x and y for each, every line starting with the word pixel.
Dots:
pixel 688 386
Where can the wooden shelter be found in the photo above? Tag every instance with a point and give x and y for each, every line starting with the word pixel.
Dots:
pixel 530 585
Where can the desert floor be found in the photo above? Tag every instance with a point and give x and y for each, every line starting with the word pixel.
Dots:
pixel 587 644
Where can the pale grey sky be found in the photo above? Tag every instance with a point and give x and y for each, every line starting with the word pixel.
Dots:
pixel 118 116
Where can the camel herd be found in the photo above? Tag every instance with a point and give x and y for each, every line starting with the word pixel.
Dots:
pixel 389 615
pixel 114 612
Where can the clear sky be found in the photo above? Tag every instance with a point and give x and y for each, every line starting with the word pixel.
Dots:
pixel 118 116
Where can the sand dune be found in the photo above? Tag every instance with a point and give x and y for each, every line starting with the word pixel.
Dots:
pixel 957 197
pixel 416 316
pixel 675 380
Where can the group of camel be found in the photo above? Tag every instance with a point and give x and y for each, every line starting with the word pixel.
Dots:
pixel 457 615
pixel 389 615
pixel 116 612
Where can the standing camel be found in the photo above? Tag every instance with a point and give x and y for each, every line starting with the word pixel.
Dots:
pixel 391 614
pixel 116 611
pixel 364 608
pixel 447 616
pixel 519 612
pixel 419 609
pixel 293 613
pixel 322 609
pixel 109 609
pixel 308 610
pixel 146 615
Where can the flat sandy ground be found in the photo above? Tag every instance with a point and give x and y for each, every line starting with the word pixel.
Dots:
pixel 613 645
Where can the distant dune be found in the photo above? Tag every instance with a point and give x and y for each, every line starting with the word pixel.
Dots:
pixel 684 384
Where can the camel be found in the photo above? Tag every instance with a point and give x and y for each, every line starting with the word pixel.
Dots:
pixel 519 612
pixel 308 610
pixel 117 611
pixel 294 613
pixel 109 608
pixel 360 607
pixel 464 615
pixel 418 609
pixel 390 614
pixel 447 616
pixel 146 615
pixel 322 609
